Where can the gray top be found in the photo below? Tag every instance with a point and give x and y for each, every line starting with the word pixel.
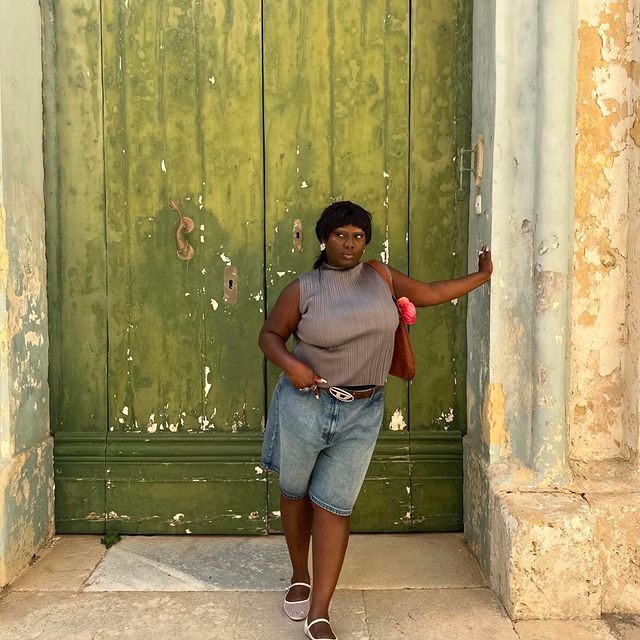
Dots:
pixel 347 325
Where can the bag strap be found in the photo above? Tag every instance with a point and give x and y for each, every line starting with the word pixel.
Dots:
pixel 383 272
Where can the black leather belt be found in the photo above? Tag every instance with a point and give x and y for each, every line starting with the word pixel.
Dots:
pixel 349 395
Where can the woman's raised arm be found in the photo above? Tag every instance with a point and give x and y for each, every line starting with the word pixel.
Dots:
pixel 427 294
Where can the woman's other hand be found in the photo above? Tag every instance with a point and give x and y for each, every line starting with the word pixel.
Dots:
pixel 485 265
pixel 301 376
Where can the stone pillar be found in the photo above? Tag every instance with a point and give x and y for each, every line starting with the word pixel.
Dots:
pixel 26 461
pixel 534 535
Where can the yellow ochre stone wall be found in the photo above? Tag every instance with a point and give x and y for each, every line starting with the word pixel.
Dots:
pixel 606 215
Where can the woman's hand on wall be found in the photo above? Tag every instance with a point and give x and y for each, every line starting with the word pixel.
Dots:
pixel 485 265
pixel 427 294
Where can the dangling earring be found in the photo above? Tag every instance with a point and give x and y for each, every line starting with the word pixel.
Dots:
pixel 322 246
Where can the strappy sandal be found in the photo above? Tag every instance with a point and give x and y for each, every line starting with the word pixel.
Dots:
pixel 307 627
pixel 297 609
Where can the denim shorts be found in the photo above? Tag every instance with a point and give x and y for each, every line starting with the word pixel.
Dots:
pixel 321 447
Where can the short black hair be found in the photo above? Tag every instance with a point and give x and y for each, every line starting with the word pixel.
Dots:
pixel 341 214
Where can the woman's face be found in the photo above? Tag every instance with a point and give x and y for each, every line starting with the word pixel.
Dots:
pixel 345 246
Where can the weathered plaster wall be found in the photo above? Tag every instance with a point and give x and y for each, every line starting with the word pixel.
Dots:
pixel 554 519
pixel 26 467
pixel 604 375
pixel 632 361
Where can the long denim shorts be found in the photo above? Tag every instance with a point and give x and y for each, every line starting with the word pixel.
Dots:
pixel 321 447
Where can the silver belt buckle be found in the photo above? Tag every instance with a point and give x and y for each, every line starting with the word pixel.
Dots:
pixel 341 394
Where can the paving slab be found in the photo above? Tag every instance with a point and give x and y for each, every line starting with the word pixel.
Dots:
pixel 415 561
pixel 64 565
pixel 214 563
pixel 560 629
pixel 627 627
pixel 193 563
pixel 150 616
pixel 437 614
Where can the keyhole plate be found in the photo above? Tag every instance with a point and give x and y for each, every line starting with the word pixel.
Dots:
pixel 230 284
pixel 297 235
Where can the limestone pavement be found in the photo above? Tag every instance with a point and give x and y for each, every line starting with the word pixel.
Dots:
pixel 393 587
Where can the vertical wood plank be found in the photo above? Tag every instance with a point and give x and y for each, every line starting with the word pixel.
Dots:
pixel 76 257
pixel 230 104
pixel 438 222
pixel 75 216
pixel 440 124
pixel 370 122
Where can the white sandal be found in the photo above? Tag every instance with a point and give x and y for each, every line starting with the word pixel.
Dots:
pixel 297 609
pixel 307 627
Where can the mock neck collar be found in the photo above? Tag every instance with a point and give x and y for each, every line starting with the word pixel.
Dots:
pixel 328 267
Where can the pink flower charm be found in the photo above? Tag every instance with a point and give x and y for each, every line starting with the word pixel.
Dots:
pixel 407 309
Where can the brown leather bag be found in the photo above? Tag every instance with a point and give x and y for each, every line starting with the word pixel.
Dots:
pixel 403 364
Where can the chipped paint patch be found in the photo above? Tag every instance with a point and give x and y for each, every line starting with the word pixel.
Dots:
pixel 152 425
pixel 494 428
pixel 384 254
pixel 397 422
pixel 33 339
pixel 207 384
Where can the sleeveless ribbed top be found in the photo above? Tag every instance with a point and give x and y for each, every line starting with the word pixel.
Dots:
pixel 347 325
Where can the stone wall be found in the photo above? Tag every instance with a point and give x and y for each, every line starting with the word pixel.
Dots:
pixel 552 496
pixel 26 465
pixel 604 352
pixel 604 365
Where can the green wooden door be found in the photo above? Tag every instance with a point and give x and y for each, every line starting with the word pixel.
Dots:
pixel 254 115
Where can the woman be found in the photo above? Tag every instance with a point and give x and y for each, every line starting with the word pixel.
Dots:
pixel 326 409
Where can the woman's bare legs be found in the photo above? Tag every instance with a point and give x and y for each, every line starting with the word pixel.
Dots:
pixel 297 516
pixel 300 519
pixel 330 539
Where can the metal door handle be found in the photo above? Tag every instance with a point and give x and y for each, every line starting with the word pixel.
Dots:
pixel 184 249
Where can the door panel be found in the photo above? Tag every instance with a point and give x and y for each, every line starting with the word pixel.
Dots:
pixel 183 117
pixel 336 124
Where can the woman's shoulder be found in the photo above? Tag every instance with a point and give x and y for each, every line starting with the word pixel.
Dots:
pixel 382 269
